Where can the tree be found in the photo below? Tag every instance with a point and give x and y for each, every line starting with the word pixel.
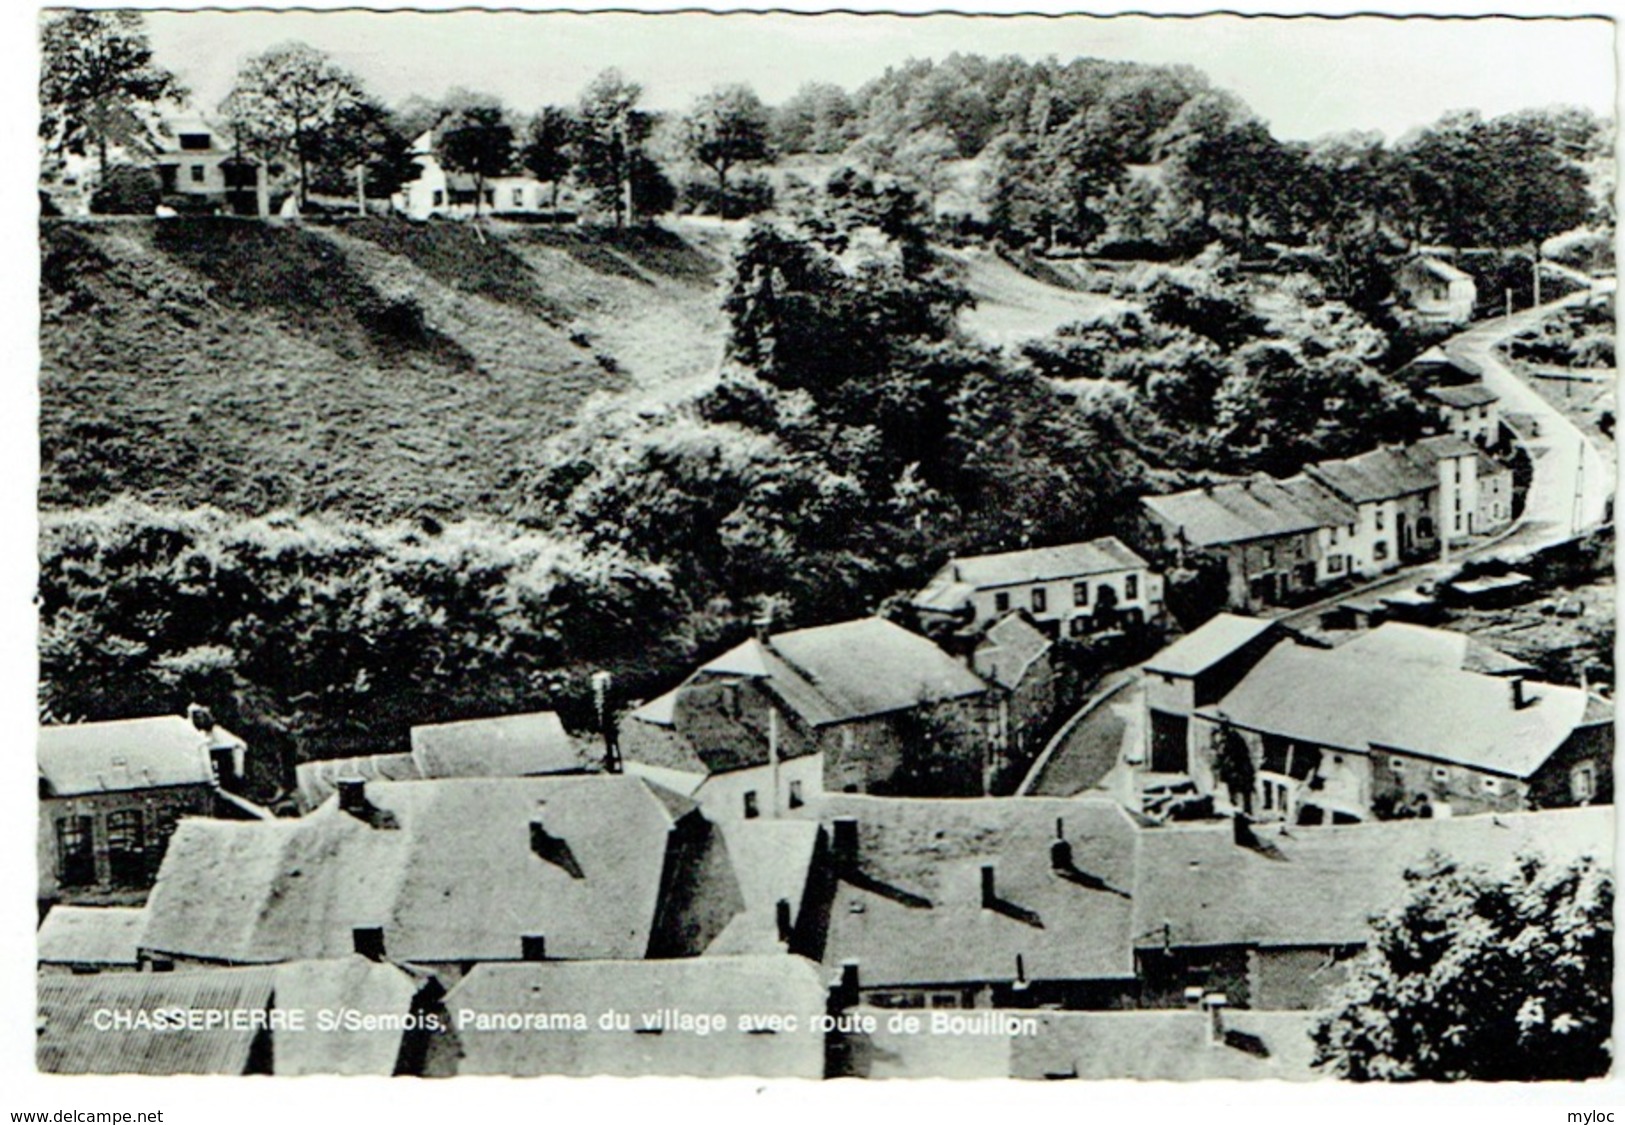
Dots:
pixel 612 131
pixel 1537 190
pixel 1224 159
pixel 817 118
pixel 290 101
pixel 96 76
pixel 924 164
pixel 1478 977
pixel 365 143
pixel 546 149
pixel 476 140
pixel 726 127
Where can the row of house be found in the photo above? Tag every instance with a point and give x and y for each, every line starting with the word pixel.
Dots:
pixel 1392 722
pixel 549 903
pixel 1352 518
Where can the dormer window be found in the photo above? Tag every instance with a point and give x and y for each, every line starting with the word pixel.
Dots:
pixel 196 142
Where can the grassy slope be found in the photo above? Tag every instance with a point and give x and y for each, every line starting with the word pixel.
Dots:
pixel 379 368
pixel 374 369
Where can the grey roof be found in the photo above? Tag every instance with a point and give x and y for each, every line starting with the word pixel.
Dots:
pixel 1157 1045
pixel 773 860
pixel 1382 474
pixel 449 873
pixel 147 753
pixel 730 987
pixel 1209 643
pixel 69 1042
pixel 317 779
pixel 91 935
pixel 822 676
pixel 1257 508
pixel 1196 886
pixel 913 914
pixel 1399 641
pixel 1343 699
pixel 1464 396
pixel 1440 269
pixel 505 746
pixel 1036 564
pixel 1008 649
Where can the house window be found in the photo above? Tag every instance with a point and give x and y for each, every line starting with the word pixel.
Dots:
pixel 1001 602
pixel 1379 550
pixel 439 198
pixel 197 173
pixel 195 142
pixel 1131 587
pixel 1040 599
pixel 1492 786
pixel 1334 564
pixel 1351 531
pixel 126 851
pixel 796 799
pixel 1440 773
pixel 1379 517
pixel 1078 626
pixel 518 197
pixel 1269 556
pixel 490 197
pixel 1397 764
pixel 75 851
pixel 1583 781
pixel 751 809
pixel 1080 593
pixel 1458 521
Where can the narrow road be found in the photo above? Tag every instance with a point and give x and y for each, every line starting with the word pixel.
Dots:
pixel 1572 484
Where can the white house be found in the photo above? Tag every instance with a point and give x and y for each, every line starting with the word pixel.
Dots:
pixel 437 191
pixel 1436 289
pixel 1471 411
pixel 199 159
pixel 1075 588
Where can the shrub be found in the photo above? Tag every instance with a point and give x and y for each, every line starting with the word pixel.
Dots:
pixel 126 190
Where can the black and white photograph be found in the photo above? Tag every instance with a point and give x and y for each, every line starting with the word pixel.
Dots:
pixel 847 545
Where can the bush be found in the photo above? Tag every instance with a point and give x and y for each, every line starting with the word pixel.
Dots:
pixel 747 195
pixel 126 189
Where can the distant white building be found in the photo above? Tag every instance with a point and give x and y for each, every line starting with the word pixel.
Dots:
pixel 1436 289
pixel 1471 410
pixel 200 160
pixel 437 191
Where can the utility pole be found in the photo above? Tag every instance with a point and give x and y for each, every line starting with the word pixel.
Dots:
pixel 601 682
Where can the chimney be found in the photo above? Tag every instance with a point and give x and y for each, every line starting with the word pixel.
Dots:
pixel 1215 1003
pixel 1021 971
pixel 223 763
pixel 781 915
pixel 352 796
pixel 532 947
pixel 845 992
pixel 1520 697
pixel 369 942
pixel 199 716
pixel 1060 852
pixel 845 843
pixel 990 896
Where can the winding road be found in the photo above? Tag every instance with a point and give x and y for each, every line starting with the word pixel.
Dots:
pixel 1570 491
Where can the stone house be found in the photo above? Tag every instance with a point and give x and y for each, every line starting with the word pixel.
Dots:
pixel 1437 290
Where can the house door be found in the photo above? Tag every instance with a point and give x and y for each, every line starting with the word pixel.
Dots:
pixel 1170 743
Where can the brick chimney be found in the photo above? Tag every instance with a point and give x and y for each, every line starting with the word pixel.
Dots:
pixel 352 796
pixel 990 894
pixel 532 947
pixel 844 843
pixel 369 942
pixel 1060 852
pixel 1520 694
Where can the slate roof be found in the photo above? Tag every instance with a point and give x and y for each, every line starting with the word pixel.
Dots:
pixel 318 779
pixel 912 913
pixel 1382 474
pixel 91 935
pixel 1399 642
pixel 505 746
pixel 1036 564
pixel 1195 886
pixel 822 676
pixel 454 878
pixel 1209 643
pixel 729 986
pixel 1156 1045
pixel 1464 396
pixel 1345 700
pixel 1008 649
pixel 69 1043
pixel 1454 367
pixel 162 750
pixel 773 861
pixel 1440 269
pixel 1258 508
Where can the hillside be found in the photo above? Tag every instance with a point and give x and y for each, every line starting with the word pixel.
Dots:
pixel 373 369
